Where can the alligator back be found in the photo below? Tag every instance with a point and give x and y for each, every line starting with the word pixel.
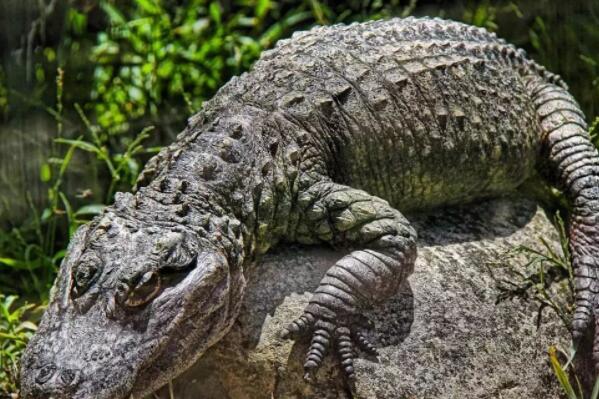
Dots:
pixel 421 112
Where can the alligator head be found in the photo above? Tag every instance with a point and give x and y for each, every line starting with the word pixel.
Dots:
pixel 134 304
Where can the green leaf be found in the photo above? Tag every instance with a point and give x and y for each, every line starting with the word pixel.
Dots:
pixel 59 255
pixel 594 129
pixel 588 60
pixel 165 69
pixel 534 39
pixel 45 172
pixel 77 21
pixel 113 14
pixel 149 6
pixel 17 264
pixel 68 209
pixel 561 375
pixel 91 209
pixel 82 145
pixel 215 12
pixel 262 8
pixel 135 94
pixel 595 393
pixel 27 325
pixel 200 25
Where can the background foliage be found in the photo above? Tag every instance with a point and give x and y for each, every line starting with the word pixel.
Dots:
pixel 117 79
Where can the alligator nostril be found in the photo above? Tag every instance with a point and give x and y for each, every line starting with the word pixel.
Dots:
pixel 45 373
pixel 67 376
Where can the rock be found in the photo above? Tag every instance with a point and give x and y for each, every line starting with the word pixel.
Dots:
pixel 442 336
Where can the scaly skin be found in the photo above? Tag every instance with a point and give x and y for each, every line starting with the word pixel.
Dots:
pixel 328 135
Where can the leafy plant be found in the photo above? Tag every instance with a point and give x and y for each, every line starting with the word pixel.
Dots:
pixel 31 254
pixel 17 325
pixel 594 132
pixel 550 266
pixel 156 57
pixel 563 375
pixel 537 278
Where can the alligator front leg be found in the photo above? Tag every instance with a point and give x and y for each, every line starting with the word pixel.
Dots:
pixel 383 256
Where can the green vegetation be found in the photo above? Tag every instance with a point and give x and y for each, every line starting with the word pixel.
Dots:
pixel 16 327
pixel 547 278
pixel 120 78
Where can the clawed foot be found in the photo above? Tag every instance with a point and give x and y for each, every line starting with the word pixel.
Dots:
pixel 327 333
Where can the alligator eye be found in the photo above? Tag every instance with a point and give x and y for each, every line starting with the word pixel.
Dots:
pixel 84 277
pixel 146 289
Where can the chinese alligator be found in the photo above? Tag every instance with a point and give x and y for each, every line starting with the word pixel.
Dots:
pixel 329 136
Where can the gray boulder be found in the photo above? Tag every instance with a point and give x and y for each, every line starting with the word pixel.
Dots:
pixel 443 336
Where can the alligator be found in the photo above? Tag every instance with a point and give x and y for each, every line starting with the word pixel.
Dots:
pixel 323 141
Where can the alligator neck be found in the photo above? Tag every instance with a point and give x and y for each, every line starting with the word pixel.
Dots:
pixel 233 179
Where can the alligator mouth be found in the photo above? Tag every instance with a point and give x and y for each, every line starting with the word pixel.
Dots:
pixel 207 310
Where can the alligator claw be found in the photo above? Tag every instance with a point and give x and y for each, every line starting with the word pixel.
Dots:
pixel 327 334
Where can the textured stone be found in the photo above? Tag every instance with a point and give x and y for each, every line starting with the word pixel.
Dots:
pixel 442 336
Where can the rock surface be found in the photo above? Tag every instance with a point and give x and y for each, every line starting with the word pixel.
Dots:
pixel 442 336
